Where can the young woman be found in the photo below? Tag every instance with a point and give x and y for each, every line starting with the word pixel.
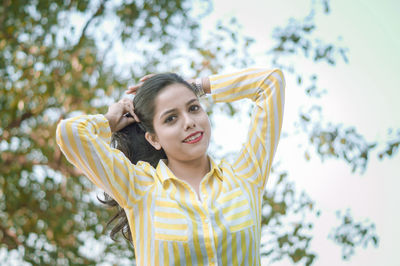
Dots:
pixel 182 207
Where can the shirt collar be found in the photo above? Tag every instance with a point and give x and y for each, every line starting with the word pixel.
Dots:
pixel 164 173
pixel 214 169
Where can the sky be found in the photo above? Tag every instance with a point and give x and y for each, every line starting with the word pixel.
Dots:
pixel 363 93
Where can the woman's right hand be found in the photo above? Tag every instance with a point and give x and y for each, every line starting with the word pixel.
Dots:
pixel 116 114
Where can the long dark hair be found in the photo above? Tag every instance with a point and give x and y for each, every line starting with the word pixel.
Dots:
pixel 131 141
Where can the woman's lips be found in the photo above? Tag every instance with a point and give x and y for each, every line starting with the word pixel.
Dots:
pixel 194 138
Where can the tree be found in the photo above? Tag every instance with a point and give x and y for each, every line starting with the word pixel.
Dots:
pixel 61 57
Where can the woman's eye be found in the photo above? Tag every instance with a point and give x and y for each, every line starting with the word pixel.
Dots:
pixel 170 119
pixel 194 108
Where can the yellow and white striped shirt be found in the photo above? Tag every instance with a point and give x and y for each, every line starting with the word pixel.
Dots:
pixel 169 224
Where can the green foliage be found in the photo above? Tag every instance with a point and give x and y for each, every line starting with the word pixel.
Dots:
pixel 351 234
pixel 335 141
pixel 392 146
pixel 287 238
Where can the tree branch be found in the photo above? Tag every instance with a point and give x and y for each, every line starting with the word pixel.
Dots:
pixel 98 12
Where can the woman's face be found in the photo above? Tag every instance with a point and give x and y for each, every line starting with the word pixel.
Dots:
pixel 181 126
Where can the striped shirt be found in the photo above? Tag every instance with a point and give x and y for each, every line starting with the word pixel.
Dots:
pixel 170 225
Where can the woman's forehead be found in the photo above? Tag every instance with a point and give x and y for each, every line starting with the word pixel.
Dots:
pixel 173 96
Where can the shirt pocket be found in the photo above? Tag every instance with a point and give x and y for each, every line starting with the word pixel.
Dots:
pixel 170 222
pixel 236 210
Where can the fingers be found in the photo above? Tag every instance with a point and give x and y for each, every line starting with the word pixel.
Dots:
pixel 136 118
pixel 128 109
pixel 144 78
pixel 133 89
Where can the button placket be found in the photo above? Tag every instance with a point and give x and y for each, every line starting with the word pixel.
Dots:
pixel 210 238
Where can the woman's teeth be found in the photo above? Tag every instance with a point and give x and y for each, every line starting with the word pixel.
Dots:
pixel 193 137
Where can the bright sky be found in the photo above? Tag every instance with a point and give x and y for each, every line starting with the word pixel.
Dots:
pixel 363 93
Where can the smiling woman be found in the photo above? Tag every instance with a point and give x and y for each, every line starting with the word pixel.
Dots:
pixel 176 204
pixel 179 118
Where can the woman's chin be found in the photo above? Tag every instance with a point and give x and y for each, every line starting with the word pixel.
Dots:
pixel 195 154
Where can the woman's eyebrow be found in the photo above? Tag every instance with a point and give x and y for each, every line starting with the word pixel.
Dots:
pixel 192 100
pixel 174 109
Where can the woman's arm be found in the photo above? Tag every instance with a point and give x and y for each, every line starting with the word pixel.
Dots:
pixel 266 89
pixel 85 141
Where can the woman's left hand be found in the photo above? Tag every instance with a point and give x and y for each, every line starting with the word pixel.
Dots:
pixel 133 89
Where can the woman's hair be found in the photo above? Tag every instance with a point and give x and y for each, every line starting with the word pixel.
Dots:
pixel 131 141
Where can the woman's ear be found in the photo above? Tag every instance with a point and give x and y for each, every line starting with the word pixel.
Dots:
pixel 153 140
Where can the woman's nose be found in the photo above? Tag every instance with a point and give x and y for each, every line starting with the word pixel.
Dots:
pixel 189 121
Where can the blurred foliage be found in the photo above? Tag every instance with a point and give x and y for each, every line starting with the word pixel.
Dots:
pixel 285 237
pixel 392 146
pixel 334 140
pixel 60 58
pixel 351 234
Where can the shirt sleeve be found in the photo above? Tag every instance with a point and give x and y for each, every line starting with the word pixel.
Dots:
pixel 267 89
pixel 85 141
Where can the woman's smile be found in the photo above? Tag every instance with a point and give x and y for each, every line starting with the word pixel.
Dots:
pixel 194 138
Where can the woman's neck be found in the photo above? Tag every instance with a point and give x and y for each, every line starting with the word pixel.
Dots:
pixel 190 170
